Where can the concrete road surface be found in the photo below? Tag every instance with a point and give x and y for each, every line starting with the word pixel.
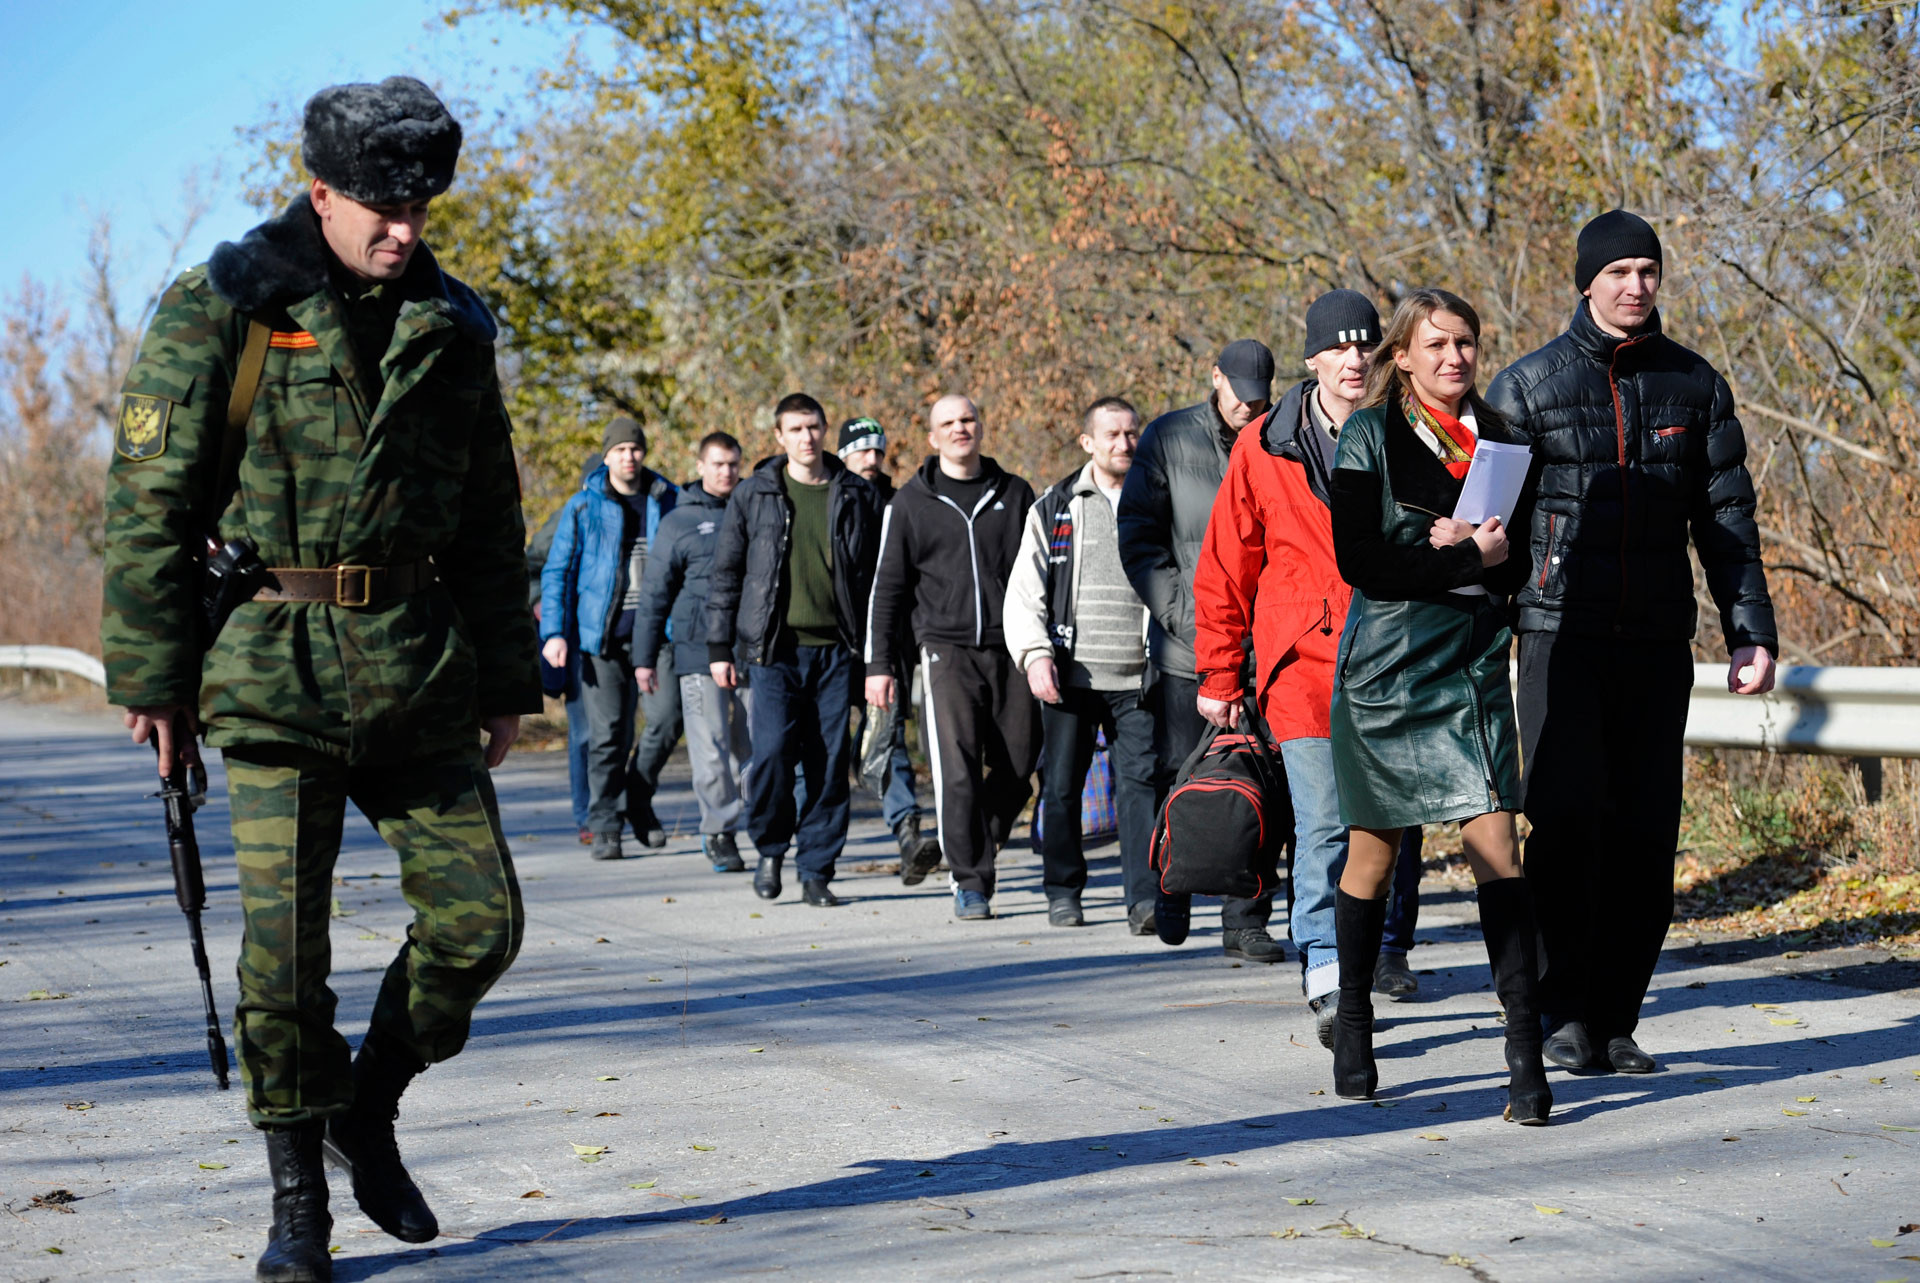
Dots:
pixel 879 1092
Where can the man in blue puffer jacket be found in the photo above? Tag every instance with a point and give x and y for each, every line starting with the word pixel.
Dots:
pixel 589 591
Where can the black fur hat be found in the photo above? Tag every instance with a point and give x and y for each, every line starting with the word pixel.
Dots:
pixel 385 144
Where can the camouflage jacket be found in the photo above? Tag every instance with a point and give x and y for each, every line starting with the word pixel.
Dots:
pixel 344 463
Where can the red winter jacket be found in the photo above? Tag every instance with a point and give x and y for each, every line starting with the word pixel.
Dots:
pixel 1268 558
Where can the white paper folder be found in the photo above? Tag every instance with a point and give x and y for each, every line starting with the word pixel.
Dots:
pixel 1492 489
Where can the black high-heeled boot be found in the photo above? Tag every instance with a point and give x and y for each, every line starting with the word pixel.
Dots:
pixel 1506 919
pixel 1357 926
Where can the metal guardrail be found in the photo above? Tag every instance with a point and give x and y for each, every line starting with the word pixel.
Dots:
pixel 59 659
pixel 1854 712
pixel 1851 712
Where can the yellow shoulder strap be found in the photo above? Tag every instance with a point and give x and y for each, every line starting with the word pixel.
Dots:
pixel 246 376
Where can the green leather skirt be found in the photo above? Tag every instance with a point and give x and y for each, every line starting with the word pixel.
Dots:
pixel 1423 724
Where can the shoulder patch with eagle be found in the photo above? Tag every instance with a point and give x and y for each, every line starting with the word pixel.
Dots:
pixel 141 432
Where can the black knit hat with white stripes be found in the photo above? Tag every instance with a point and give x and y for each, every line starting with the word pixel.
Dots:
pixel 1340 316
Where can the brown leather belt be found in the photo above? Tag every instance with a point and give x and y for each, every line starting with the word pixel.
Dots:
pixel 347 585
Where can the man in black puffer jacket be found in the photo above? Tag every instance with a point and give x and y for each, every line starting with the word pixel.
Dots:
pixel 673 605
pixel 789 587
pixel 1638 448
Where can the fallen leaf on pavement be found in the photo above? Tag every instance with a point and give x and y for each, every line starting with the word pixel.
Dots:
pixel 80 1105
pixel 1794 1113
pixel 1878 1082
pixel 1548 1211
pixel 1783 1020
pixel 534 1193
pixel 1806 1100
pixel 1303 1202
pixel 584 1150
pixel 1883 1242
pixel 704 1148
pixel 1891 1127
pixel 607 1078
pixel 713 1220
pixel 1431 1136
pixel 1289 1232
pixel 1766 1006
pixel 213 1167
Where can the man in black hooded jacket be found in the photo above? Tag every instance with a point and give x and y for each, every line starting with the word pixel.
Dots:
pixel 1637 448
pixel 947 547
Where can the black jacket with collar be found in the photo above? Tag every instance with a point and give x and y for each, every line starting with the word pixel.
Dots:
pixel 943 572
pixel 1179 467
pixel 747 596
pixel 1636 446
pixel 673 592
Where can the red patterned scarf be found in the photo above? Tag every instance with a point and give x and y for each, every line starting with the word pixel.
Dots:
pixel 1451 441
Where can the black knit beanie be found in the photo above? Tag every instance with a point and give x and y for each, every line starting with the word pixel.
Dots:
pixel 387 144
pixel 1340 316
pixel 1615 235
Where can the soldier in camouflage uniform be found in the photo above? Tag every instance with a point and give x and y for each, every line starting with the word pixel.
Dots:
pixel 377 482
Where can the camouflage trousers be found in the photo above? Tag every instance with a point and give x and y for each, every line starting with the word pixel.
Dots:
pixel 289 808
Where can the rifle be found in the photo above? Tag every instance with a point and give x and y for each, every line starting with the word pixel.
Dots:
pixel 182 797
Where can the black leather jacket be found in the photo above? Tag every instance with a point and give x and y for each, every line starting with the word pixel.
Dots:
pixel 1178 468
pixel 1636 446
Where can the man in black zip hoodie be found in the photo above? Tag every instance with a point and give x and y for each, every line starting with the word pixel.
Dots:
pixel 791 575
pixel 947 547
pixel 1638 448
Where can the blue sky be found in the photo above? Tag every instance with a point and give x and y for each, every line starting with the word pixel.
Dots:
pixel 106 105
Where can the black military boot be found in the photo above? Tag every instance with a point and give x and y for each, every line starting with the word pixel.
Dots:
pixel 297 1244
pixel 919 855
pixel 361 1142
pixel 1506 919
pixel 1357 927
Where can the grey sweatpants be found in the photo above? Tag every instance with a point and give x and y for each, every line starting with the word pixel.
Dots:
pixel 719 748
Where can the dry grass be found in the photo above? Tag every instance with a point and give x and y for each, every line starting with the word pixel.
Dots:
pixel 52 595
pixel 1781 845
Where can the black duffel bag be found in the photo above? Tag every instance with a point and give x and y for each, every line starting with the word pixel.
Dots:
pixel 1227 818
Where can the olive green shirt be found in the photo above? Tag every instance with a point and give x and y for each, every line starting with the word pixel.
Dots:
pixel 810 566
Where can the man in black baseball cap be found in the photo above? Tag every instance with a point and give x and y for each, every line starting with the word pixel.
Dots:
pixel 1164 505
pixel 1638 450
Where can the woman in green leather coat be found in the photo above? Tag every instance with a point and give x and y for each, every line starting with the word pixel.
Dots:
pixel 1423 725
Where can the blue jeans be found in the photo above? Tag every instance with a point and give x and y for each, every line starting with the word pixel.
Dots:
pixel 801 702
pixel 1319 857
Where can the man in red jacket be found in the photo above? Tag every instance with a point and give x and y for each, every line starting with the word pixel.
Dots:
pixel 1267 577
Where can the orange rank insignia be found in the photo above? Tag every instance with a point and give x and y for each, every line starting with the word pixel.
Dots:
pixel 299 340
pixel 141 432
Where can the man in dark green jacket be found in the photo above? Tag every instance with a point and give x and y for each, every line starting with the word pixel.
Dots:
pixel 375 478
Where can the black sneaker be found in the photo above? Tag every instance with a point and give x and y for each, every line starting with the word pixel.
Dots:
pixel 1252 944
pixel 723 853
